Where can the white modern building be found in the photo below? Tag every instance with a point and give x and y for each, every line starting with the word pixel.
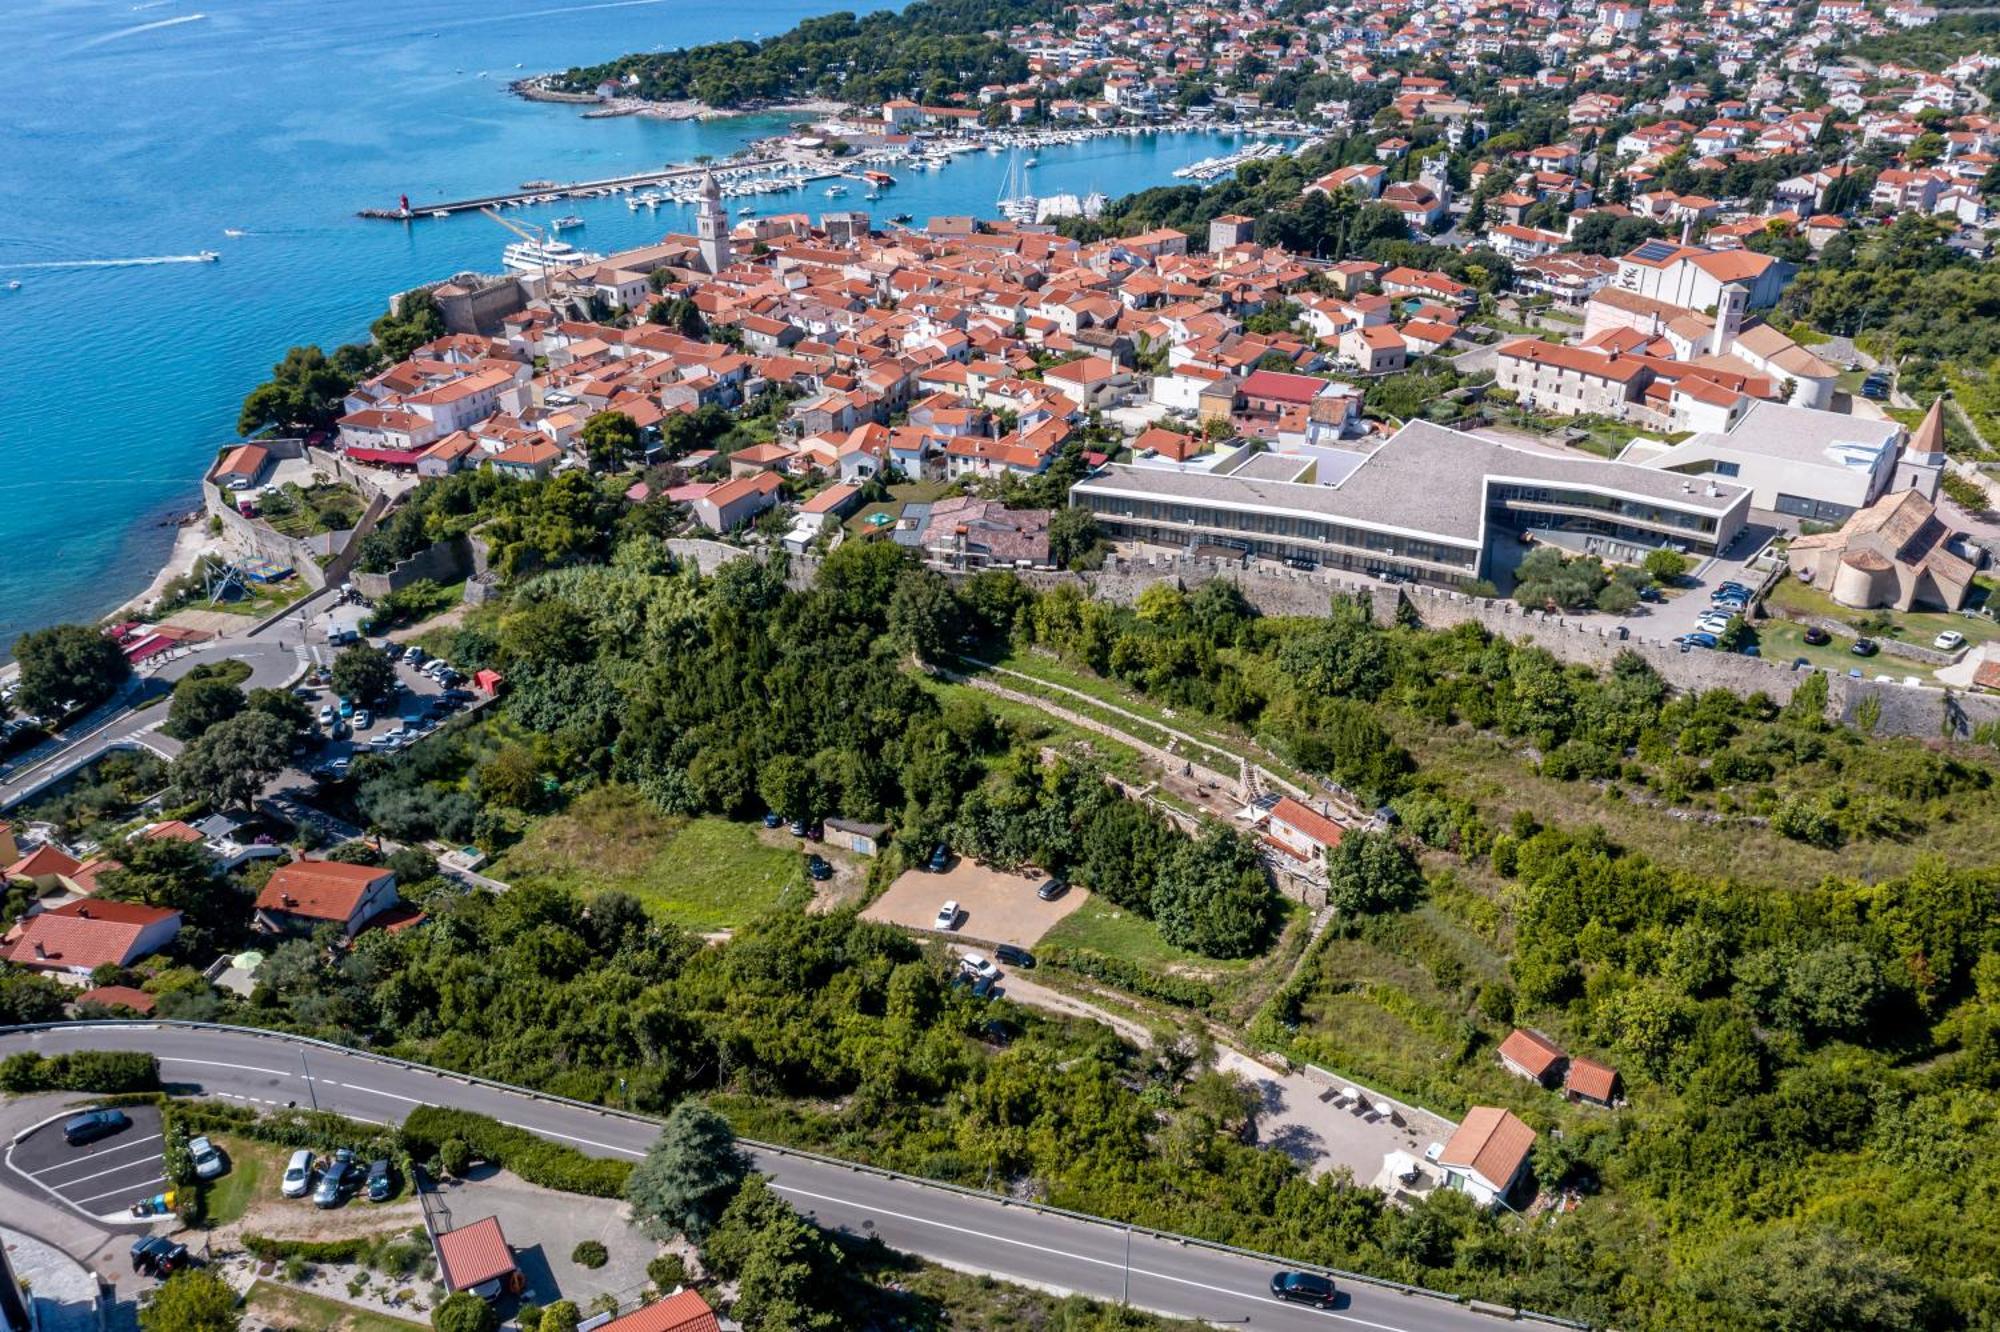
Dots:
pixel 1807 464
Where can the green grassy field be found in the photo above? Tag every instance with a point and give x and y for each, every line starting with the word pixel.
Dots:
pixel 1918 627
pixel 281 1306
pixel 252 1165
pixel 704 874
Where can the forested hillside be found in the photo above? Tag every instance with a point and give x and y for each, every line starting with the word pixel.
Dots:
pixel 929 49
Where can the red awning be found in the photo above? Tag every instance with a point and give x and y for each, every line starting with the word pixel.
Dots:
pixel 152 645
pixel 387 457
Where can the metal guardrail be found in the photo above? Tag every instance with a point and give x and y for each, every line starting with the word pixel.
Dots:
pixel 779 1149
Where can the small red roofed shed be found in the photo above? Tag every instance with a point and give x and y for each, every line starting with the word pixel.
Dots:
pixel 1588 1080
pixel 476 1256
pixel 1530 1055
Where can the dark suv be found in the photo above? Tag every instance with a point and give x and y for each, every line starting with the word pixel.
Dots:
pixel 156 1255
pixel 89 1127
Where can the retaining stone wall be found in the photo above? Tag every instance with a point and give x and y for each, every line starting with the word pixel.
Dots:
pixel 442 562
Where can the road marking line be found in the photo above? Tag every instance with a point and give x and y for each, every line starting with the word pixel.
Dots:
pixel 246 1068
pixel 551 1133
pixel 373 1091
pixel 95 1157
pixel 115 1193
pixel 1084 1258
pixel 85 1179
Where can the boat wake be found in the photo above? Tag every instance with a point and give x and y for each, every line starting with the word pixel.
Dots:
pixel 203 258
pixel 138 28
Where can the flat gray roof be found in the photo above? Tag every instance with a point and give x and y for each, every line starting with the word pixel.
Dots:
pixel 1426 479
pixel 1795 435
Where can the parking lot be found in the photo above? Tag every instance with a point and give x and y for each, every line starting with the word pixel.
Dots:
pixel 421 704
pixel 995 906
pixel 101 1179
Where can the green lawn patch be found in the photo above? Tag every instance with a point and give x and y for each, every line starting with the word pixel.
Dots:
pixel 251 1165
pixel 281 1306
pixel 1108 929
pixel 1918 627
pixel 704 874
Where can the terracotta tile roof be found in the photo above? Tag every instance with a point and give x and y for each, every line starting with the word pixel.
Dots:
pixel 1531 1051
pixel 119 996
pixel 85 935
pixel 1587 1077
pixel 475 1254
pixel 42 860
pixel 1491 1143
pixel 318 889
pixel 683 1311
pixel 1312 824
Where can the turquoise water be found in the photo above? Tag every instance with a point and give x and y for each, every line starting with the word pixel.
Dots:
pixel 144 130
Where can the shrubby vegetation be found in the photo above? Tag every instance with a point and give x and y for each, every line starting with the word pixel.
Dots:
pixel 939 47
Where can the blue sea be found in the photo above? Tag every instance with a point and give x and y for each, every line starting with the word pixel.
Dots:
pixel 135 134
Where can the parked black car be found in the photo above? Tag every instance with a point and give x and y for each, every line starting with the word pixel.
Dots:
pixel 1015 957
pixel 156 1255
pixel 817 869
pixel 381 1180
pixel 95 1124
pixel 940 858
pixel 1051 889
pixel 1817 636
pixel 1864 647
pixel 1304 1288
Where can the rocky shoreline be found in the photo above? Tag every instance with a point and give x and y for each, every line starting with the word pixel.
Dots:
pixel 536 89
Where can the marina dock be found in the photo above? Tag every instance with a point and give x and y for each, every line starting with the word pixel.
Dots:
pixel 549 192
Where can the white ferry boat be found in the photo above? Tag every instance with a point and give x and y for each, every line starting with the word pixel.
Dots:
pixel 536 257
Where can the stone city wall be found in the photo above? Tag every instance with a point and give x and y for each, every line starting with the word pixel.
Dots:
pixel 1592 640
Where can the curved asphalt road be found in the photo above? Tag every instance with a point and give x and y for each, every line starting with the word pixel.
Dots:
pixel 971 1234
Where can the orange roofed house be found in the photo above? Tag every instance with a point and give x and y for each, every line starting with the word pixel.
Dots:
pixel 1301 832
pixel 682 1311
pixel 306 894
pixel 1488 1156
pixel 74 940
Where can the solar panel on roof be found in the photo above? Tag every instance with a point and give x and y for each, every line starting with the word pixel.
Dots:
pixel 1655 250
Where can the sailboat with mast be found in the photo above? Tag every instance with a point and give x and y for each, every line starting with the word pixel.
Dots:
pixel 1015 203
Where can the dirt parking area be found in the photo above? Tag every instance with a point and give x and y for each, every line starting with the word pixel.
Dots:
pixel 994 906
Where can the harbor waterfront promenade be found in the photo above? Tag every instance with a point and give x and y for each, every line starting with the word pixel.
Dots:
pixel 354 105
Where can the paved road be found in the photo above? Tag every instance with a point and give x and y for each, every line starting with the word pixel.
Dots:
pixel 972 1234
pixel 275 660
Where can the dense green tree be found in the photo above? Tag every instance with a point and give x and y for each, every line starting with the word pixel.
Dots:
pixel 198 704
pixel 68 665
pixel 924 615
pixel 787 1272
pixel 1213 896
pixel 229 765
pixel 1370 872
pixel 689 1174
pixel 305 392
pixel 462 1311
pixel 610 440
pixel 1073 537
pixel 191 1300
pixel 363 676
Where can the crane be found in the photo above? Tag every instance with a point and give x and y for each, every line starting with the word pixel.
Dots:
pixel 531 233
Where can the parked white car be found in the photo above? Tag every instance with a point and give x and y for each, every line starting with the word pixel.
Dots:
pixel 1949 641
pixel 979 965
pixel 947 916
pixel 208 1162
pixel 298 1174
